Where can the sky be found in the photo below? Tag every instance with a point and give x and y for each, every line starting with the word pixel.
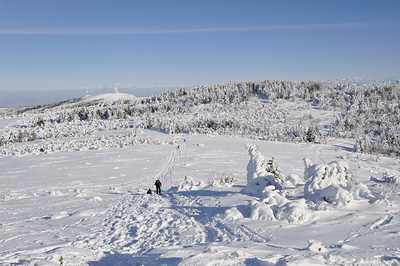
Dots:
pixel 63 45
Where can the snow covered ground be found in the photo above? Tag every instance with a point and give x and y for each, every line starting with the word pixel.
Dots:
pixel 91 207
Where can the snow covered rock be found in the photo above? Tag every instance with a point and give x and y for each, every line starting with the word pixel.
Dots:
pixel 316 246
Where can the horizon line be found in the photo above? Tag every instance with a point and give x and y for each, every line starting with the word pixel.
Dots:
pixel 290 27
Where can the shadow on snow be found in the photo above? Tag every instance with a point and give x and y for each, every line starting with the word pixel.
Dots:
pixel 117 259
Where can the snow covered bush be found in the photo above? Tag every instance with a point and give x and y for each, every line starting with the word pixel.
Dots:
pixel 320 176
pixel 261 173
pixel 389 185
pixel 273 196
pixel 225 181
pixel 279 208
pixel 294 211
pixel 275 206
pixel 267 208
pixel 233 214
pixel 191 184
pixel 261 211
pixel 332 183
pixel 336 195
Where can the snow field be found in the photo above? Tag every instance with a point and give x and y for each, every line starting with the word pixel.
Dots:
pixel 91 207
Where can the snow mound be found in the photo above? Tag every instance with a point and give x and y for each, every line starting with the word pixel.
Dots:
pixel 233 214
pixel 294 211
pixel 293 180
pixel 316 246
pixel 261 211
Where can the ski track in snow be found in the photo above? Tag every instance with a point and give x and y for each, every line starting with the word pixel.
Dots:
pixel 163 173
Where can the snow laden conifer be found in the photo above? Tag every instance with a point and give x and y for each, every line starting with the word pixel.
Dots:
pixel 261 173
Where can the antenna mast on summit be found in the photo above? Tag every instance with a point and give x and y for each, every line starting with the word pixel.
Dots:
pixel 87 92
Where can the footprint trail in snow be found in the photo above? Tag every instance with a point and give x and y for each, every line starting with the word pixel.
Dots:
pixel 141 222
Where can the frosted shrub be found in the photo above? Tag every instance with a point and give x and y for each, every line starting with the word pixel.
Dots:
pixel 10 195
pixel 389 186
pixel 332 183
pixel 225 181
pixel 261 173
pixel 190 184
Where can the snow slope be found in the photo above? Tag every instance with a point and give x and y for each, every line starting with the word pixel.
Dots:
pixel 110 97
pixel 91 207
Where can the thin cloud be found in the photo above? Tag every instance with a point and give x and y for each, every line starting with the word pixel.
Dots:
pixel 301 27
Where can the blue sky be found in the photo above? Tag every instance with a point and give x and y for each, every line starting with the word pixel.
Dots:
pixel 59 45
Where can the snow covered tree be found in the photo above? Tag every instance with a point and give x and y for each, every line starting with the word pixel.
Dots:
pixel 261 173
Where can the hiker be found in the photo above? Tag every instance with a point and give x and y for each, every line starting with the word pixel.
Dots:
pixel 149 191
pixel 158 186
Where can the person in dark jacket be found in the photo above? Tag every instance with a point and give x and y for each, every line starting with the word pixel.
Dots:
pixel 158 186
